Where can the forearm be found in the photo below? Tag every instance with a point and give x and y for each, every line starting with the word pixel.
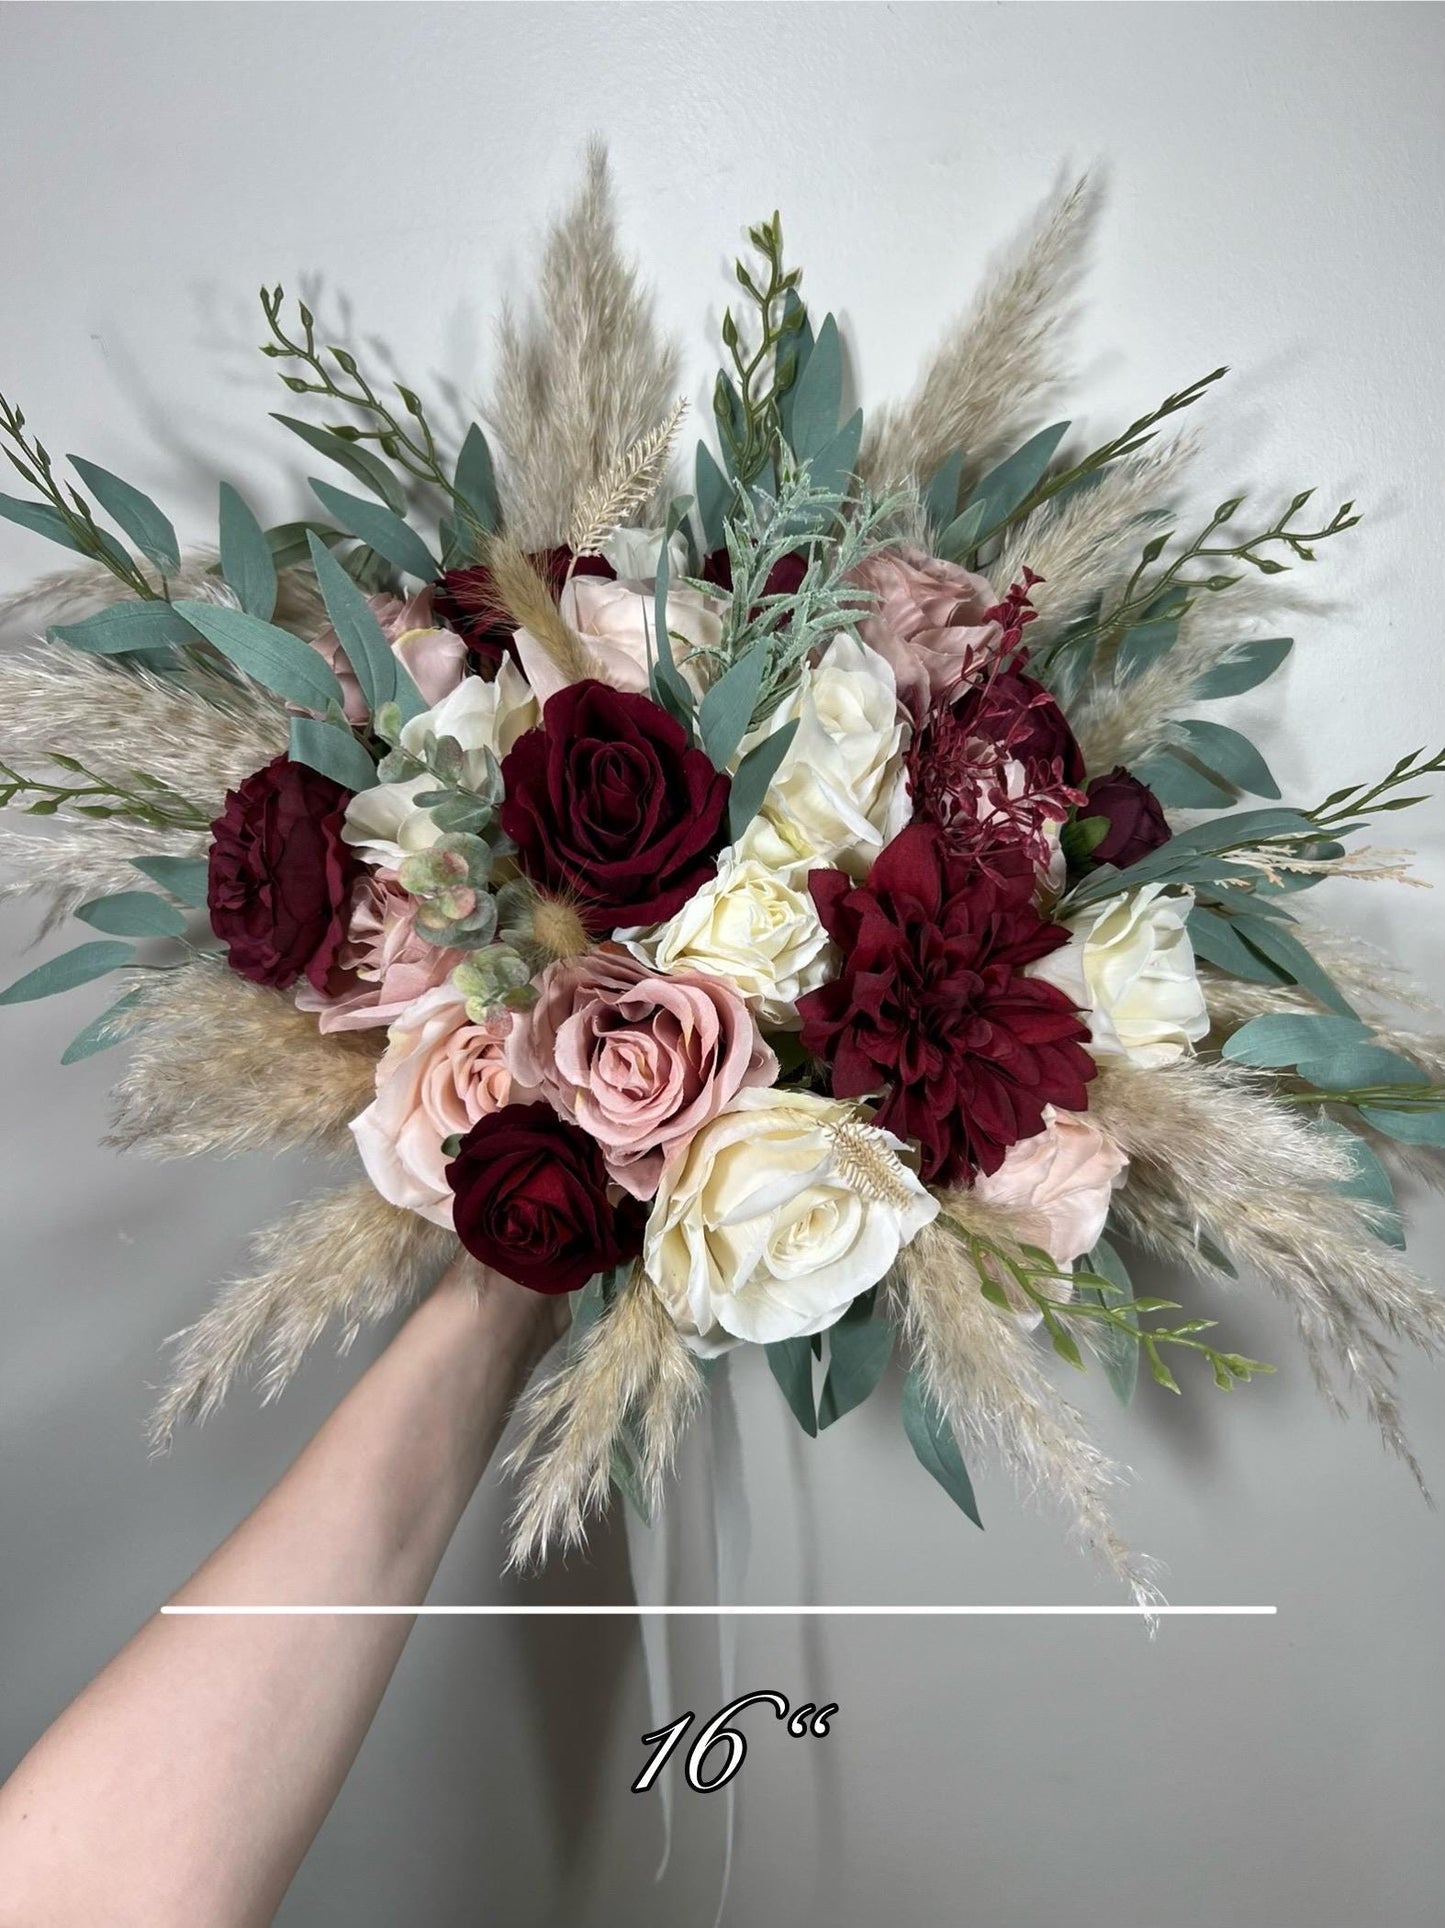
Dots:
pixel 186 1783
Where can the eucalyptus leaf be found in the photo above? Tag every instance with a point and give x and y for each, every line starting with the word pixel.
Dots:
pixel 246 560
pixel 382 677
pixel 727 709
pixel 148 527
pixel 817 395
pixel 1144 645
pixel 1233 756
pixel 714 495
pixel 40 519
pixel 1352 1067
pixel 791 1364
pixel 1371 1182
pixel 186 878
pixel 1250 665
pixel 1117 1352
pixel 359 462
pixel 1419 1127
pixel 332 749
pixel 931 1438
pixel 1179 785
pixel 958 539
pixel 124 627
pixel 133 913
pixel 101 1033
pixel 1216 940
pixel 288 543
pixel 832 467
pixel 380 529
pixel 1288 1038
pixel 940 494
pixel 70 969
pixel 753 777
pixel 273 657
pixel 859 1349
pixel 1003 489
pixel 1285 950
pixel 475 481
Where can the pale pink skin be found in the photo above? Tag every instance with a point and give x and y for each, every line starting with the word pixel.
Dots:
pixel 440 1073
pixel 383 965
pixel 926 621
pixel 639 1060
pixel 1058 1185
pixel 435 658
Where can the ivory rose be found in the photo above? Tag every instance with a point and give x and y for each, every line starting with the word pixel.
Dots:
pixel 382 965
pixel 439 1074
pixel 615 622
pixel 639 1061
pixel 1129 966
pixel 757 1232
pixel 756 927
pixel 840 793
pixel 1057 1185
pixel 435 658
pixel 928 621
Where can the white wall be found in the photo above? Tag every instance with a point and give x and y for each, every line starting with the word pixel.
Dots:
pixel 1275 179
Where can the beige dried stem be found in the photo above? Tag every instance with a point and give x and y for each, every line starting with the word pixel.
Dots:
pixel 350 1258
pixel 628 486
pixel 524 595
pixel 633 1360
pixel 1000 365
pixel 221 1065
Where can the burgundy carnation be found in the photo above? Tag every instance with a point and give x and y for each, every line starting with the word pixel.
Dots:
pixel 280 877
pixel 531 1201
pixel 466 600
pixel 1135 814
pixel 932 1009
pixel 607 804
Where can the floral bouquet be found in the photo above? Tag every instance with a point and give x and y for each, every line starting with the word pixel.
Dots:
pixel 811 911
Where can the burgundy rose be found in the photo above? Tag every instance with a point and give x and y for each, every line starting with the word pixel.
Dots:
pixel 1136 818
pixel 1016 713
pixel 932 1009
pixel 466 599
pixel 531 1201
pixel 280 877
pixel 609 806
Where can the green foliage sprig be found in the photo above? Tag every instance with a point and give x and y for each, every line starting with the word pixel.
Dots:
pixel 747 404
pixel 66 511
pixel 149 802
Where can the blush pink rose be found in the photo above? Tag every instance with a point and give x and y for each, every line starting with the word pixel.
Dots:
pixel 436 659
pixel 382 965
pixel 1057 1185
pixel 439 1074
pixel 638 1060
pixel 927 621
pixel 614 622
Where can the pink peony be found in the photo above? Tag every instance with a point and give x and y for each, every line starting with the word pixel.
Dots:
pixel 439 1074
pixel 931 620
pixel 382 965
pixel 1057 1184
pixel 639 1061
pixel 435 658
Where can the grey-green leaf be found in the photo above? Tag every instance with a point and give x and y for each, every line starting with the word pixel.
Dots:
pixel 754 775
pixel 1117 1352
pixel 714 496
pixel 70 969
pixel 727 708
pixel 1287 1038
pixel 1233 756
pixel 1370 1182
pixel 1280 948
pixel 133 913
pixel 817 397
pixel 185 878
pixel 273 657
pixel 380 529
pixel 858 1354
pixel 1144 645
pixel 1354 1066
pixel 127 626
pixel 382 678
pixel 148 527
pixel 246 556
pixel 833 465
pixel 1251 664
pixel 791 1364
pixel 360 464
pixel 940 496
pixel 958 539
pixel 333 750
pixel 101 1033
pixel 1419 1127
pixel 40 519
pixel 931 1438
pixel 475 481
pixel 1179 785
pixel 1003 489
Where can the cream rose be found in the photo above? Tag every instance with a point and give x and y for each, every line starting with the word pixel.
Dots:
pixel 1129 966
pixel 1057 1185
pixel 386 823
pixel 756 927
pixel 615 623
pixel 439 1074
pixel 757 1232
pixel 840 793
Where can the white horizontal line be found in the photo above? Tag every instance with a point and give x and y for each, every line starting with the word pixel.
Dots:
pixel 750 1612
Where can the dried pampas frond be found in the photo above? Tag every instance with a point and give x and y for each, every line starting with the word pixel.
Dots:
pixel 989 378
pixel 633 1360
pixel 985 1374
pixel 218 1064
pixel 90 857
pixel 349 1257
pixel 584 378
pixel 200 736
pixel 70 595
pixel 629 485
pixel 524 595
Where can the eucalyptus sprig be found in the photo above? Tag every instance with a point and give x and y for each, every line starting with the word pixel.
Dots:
pixel 1026 1265
pixel 150 802
pixel 1379 1097
pixel 747 407
pixel 1339 811
pixel 74 521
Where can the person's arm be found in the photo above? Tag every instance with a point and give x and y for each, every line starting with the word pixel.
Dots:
pixel 187 1781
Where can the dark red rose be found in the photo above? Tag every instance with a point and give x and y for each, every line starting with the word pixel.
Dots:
pixel 466 600
pixel 608 805
pixel 532 1201
pixel 1016 713
pixel 1135 814
pixel 280 876
pixel 783 578
pixel 932 1010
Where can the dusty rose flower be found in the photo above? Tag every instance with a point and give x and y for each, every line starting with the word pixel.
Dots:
pixel 439 1074
pixel 933 621
pixel 1057 1184
pixel 382 964
pixel 614 622
pixel 639 1061
pixel 435 658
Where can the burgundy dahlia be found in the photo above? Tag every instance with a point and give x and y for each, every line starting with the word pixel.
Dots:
pixel 1135 817
pixel 466 600
pixel 531 1200
pixel 280 877
pixel 932 1009
pixel 609 806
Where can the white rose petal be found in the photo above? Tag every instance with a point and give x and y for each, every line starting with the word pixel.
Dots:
pixel 386 824
pixel 841 792
pixel 1129 965
pixel 635 553
pixel 756 1233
